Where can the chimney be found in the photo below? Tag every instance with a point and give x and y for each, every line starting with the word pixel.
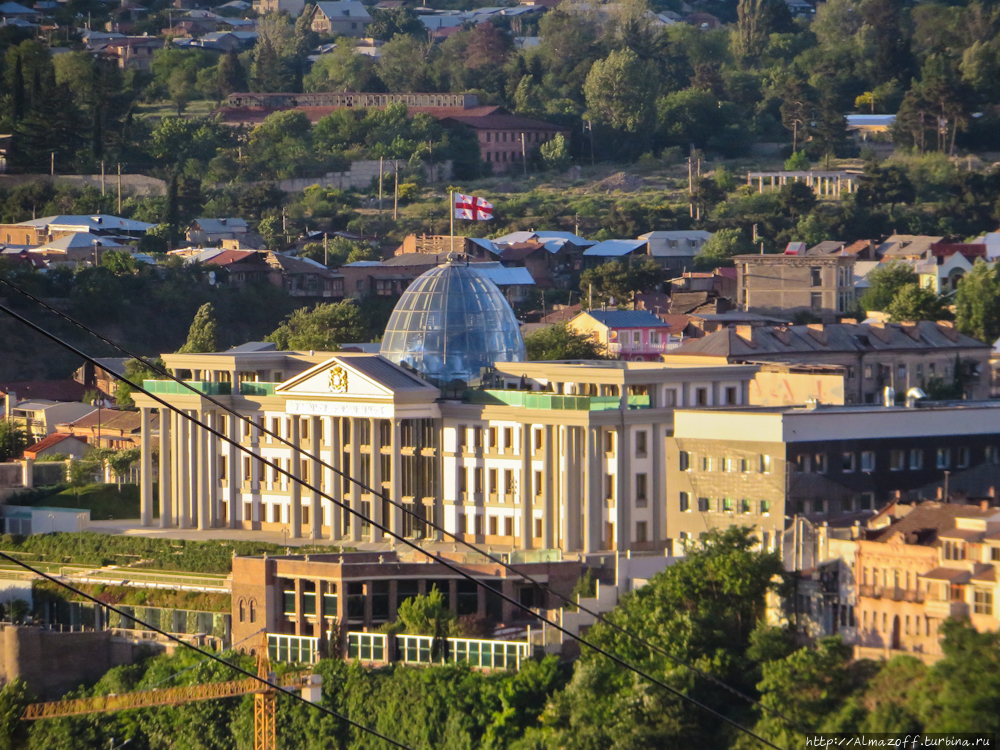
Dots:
pixel 11 404
pixel 984 505
pixel 745 332
pixel 992 493
pixel 940 493
pixel 818 332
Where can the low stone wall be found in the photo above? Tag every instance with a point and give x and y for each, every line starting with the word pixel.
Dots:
pixel 52 662
pixel 132 184
pixel 360 176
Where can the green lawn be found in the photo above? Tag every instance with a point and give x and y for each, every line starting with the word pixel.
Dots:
pixel 104 501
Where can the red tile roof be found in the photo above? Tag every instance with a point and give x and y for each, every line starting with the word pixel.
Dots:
pixel 500 121
pixel 253 115
pixel 228 257
pixel 55 438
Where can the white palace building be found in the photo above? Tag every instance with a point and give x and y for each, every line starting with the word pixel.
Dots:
pixel 448 420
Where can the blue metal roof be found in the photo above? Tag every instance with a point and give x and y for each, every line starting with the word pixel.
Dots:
pixel 627 319
pixel 614 248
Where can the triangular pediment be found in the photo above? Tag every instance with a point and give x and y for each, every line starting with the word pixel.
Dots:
pixel 335 378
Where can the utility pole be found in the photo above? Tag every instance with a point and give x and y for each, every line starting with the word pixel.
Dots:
pixel 380 188
pixel 690 190
pixel 698 208
pixel 102 178
pixel 524 156
pixel 119 188
pixel 52 167
pixel 326 249
pixel 395 191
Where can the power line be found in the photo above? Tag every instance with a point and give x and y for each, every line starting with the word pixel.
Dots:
pixel 207 654
pixel 406 510
pixel 441 561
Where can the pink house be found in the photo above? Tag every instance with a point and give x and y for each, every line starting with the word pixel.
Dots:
pixel 636 335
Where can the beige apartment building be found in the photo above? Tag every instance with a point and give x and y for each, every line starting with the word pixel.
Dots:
pixel 918 565
pixel 783 285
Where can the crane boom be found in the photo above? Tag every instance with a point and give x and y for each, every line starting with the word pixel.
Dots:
pixel 145 699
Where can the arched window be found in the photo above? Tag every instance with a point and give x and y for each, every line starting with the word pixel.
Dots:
pixel 242 613
pixel 253 611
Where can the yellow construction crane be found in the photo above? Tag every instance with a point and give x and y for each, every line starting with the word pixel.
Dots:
pixel 264 699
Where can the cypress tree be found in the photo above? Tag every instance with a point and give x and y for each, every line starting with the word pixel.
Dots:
pixel 201 335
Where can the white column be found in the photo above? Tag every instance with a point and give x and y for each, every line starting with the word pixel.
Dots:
pixel 183 471
pixel 623 502
pixel 295 511
pixel 527 491
pixel 593 504
pixel 548 490
pixel 355 520
pixel 166 438
pixel 337 488
pixel 234 490
pixel 396 480
pixel 375 476
pixel 316 480
pixel 146 468
pixel 204 480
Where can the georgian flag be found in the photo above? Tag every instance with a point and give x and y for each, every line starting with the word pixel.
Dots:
pixel 472 208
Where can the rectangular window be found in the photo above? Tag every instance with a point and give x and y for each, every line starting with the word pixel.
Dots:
pixel 640 444
pixel 819 463
pixel 460 435
pixel 247 469
pixel 609 442
pixel 508 483
pixel 479 525
pixel 983 602
pixel 963 458
pixel 494 526
pixel 803 463
pixel 701 396
pixel 640 531
pixel 765 507
pixel 508 526
pixel 609 487
pixel 330 601
pixel 868 461
pixel 538 483
pixel 288 601
pixel 494 440
pixel 816 300
pixel 538 439
pixel 744 506
pixel 478 484
pixel 538 528
pixel 730 397
pixel 727 505
pixel 640 490
pixel 685 506
pixel 765 464
pixel 684 461
pixel 849 463
pixel 816 276
pixel 944 458
pixel 494 486
pixel 508 438
pixel 706 463
pixel 463 475
pixel 916 459
pixel 703 504
pixel 670 397
pixel 477 434
pixel 897 460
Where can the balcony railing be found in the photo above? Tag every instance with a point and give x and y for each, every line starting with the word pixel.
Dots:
pixel 891 592
pixel 942 609
pixel 632 348
pixel 173 388
pixel 257 388
pixel 542 400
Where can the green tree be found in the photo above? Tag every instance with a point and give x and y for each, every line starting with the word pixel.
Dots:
pixel 404 64
pixel 615 282
pixel 796 198
pixel 884 284
pixel 136 372
pixel 913 303
pixel 756 21
pixel 12 440
pixel 201 335
pixel 387 23
pixel 619 91
pixel 341 70
pixel 555 153
pixel 977 302
pixel 324 328
pixel 797 162
pixel 232 76
pixel 119 262
pixel 720 248
pixel 559 341
pixel 885 185
pixel 14 698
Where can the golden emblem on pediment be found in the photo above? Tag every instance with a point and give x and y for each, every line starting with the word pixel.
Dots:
pixel 338 379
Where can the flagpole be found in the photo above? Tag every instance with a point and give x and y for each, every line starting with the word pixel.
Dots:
pixel 451 208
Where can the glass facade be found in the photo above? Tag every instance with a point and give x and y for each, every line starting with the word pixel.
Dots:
pixel 450 325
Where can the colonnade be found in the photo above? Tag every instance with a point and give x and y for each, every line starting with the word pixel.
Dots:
pixel 206 482
pixel 822 183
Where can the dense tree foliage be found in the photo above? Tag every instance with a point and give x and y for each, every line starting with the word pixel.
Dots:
pixel 560 342
pixel 324 328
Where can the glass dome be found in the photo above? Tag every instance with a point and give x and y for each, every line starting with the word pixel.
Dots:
pixel 451 324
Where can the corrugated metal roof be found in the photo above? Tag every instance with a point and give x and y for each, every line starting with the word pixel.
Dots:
pixel 614 248
pixel 502 276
